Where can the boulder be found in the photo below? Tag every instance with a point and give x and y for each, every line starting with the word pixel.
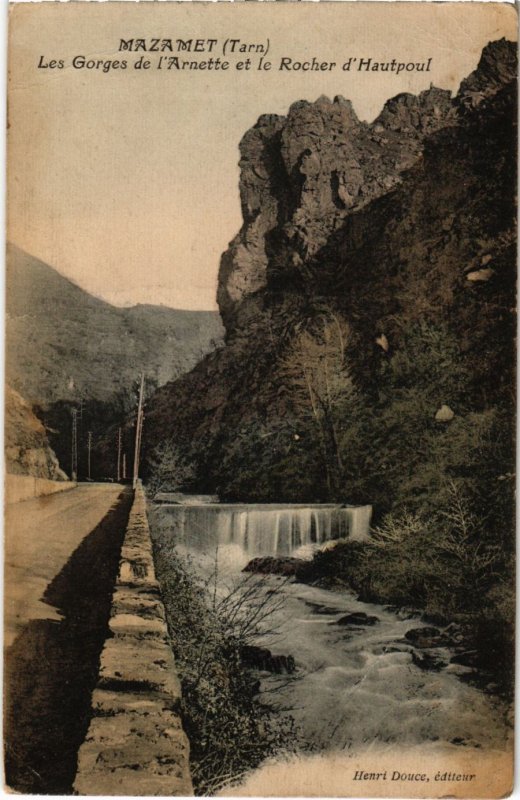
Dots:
pixel 444 414
pixel 468 658
pixel 357 618
pixel 269 565
pixel 427 637
pixel 480 275
pixel 428 660
pixel 383 343
pixel 262 659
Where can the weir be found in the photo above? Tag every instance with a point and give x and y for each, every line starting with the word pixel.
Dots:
pixel 267 529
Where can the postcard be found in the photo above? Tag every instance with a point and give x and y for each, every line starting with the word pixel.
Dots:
pixel 260 403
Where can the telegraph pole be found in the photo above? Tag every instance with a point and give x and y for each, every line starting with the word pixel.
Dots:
pixel 119 447
pixel 89 448
pixel 74 453
pixel 138 432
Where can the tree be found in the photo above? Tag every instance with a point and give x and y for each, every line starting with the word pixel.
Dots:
pixel 316 368
pixel 168 469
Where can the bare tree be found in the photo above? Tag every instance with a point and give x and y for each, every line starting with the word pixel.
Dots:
pixel 316 367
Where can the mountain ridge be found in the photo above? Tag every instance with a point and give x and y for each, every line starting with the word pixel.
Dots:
pixel 64 344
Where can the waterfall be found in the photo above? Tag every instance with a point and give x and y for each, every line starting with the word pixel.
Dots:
pixel 359 522
pixel 269 529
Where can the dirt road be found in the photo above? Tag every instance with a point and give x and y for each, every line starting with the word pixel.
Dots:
pixel 40 537
pixel 61 558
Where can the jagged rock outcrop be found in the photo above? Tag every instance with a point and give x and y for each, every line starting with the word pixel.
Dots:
pixel 303 174
pixel 384 223
pixel 497 67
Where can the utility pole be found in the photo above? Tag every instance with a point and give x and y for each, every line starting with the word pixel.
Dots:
pixel 89 448
pixel 74 453
pixel 138 432
pixel 119 447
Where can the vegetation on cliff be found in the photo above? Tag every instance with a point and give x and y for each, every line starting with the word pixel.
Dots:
pixel 369 309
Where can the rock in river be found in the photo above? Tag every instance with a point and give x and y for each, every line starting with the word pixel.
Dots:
pixel 268 565
pixel 262 658
pixel 357 618
pixel 427 637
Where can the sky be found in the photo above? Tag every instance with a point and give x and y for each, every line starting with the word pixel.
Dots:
pixel 126 181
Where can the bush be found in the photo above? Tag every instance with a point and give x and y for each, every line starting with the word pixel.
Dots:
pixel 493 635
pixel 168 470
pixel 229 727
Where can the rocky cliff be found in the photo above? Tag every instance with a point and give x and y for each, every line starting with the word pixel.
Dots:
pixel 406 221
pixel 303 175
pixel 27 449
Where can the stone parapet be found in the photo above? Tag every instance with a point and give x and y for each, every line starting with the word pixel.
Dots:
pixel 135 744
pixel 27 487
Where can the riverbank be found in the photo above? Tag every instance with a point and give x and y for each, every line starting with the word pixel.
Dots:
pixel 479 634
pixel 357 674
pixel 230 728
pixel 478 627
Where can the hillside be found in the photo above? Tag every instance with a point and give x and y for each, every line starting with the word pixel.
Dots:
pixel 403 231
pixel 65 345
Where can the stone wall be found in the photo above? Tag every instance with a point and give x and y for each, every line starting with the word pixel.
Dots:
pixel 135 744
pixel 25 487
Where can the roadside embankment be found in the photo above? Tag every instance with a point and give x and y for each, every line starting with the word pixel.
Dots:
pixel 25 487
pixel 135 744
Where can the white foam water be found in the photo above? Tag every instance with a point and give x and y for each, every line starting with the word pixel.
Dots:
pixel 354 685
pixel 274 530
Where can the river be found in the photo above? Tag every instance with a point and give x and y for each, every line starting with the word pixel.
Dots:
pixel 355 686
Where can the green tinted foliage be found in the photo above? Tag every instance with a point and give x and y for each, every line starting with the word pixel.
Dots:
pixel 443 493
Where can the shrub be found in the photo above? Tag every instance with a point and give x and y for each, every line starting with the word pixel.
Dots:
pixel 168 470
pixel 229 727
